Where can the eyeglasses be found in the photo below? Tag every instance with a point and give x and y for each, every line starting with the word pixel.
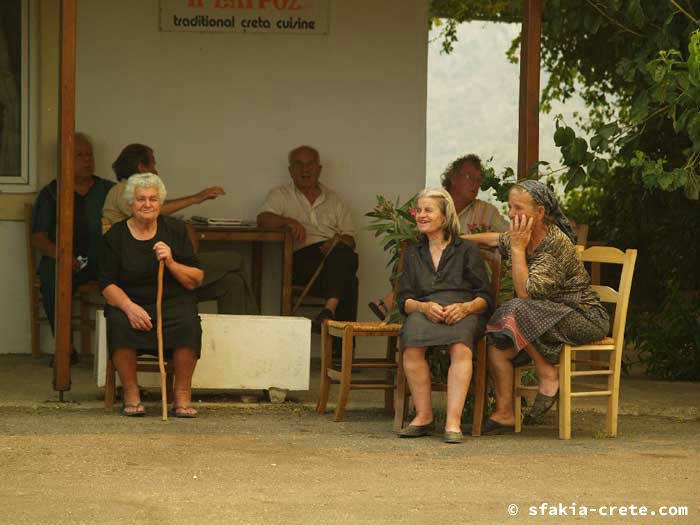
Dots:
pixel 296 165
pixel 471 178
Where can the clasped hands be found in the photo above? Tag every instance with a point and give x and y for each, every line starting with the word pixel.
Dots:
pixel 450 314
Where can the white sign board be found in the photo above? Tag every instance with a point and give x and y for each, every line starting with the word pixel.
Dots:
pixel 245 16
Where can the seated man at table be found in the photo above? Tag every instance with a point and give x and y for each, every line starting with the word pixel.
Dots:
pixel 317 218
pixel 90 193
pixel 224 279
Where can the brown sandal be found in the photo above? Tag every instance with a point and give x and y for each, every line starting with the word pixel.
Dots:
pixel 543 403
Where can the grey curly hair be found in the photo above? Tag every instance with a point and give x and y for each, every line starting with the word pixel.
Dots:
pixel 456 166
pixel 144 180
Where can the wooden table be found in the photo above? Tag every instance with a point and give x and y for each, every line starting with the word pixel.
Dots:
pixel 257 236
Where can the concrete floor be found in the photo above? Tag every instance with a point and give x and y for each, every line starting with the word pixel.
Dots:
pixel 74 462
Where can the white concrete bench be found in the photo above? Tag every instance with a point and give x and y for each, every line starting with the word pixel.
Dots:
pixel 239 352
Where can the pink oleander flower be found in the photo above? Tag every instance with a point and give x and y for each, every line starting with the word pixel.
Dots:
pixel 413 212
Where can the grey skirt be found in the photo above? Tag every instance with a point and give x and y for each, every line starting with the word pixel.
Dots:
pixel 419 331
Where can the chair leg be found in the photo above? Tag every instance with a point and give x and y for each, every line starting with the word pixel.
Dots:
pixel 326 357
pixel 169 384
pixel 479 388
pixel 85 328
pixel 517 399
pixel 36 334
pixel 614 398
pixel 36 339
pixel 565 393
pixel 390 375
pixel 400 405
pixel 345 373
pixel 110 384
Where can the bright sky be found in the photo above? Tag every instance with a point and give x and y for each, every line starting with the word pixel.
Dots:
pixel 473 101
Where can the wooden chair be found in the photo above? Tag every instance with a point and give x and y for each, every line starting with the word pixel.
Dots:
pixel 614 346
pixel 83 294
pixel 348 331
pixel 493 260
pixel 581 232
pixel 144 363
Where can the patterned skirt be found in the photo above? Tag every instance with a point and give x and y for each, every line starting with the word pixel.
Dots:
pixel 546 325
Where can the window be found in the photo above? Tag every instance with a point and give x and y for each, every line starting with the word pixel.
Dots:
pixel 17 93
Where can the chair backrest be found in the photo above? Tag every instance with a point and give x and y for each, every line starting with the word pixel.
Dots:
pixel 493 259
pixel 581 232
pixel 31 253
pixel 621 296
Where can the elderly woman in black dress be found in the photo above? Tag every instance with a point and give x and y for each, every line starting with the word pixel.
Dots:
pixel 444 294
pixel 128 268
pixel 554 304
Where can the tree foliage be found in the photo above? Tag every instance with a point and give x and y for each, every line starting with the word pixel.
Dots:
pixel 634 173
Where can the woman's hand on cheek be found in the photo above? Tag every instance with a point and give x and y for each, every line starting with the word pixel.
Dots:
pixel 520 232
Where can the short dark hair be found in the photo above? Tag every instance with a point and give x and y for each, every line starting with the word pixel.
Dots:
pixel 456 166
pixel 127 162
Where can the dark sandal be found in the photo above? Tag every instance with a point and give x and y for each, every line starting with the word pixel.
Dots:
pixel 376 308
pixel 317 322
pixel 182 415
pixel 135 413
pixel 452 436
pixel 416 431
pixel 540 407
pixel 494 428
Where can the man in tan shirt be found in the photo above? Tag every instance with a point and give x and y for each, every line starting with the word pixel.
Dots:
pixel 463 179
pixel 317 218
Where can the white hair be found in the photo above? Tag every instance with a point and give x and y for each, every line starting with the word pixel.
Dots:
pixel 144 180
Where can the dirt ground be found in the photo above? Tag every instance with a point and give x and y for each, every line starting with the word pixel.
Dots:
pixel 263 463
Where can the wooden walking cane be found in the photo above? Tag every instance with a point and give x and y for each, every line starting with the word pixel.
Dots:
pixel 159 333
pixel 314 276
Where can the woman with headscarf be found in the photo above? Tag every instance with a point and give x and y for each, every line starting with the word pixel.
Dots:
pixel 554 303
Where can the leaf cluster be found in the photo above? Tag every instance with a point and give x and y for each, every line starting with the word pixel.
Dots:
pixel 394 224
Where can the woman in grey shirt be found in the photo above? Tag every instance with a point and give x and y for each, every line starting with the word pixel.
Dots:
pixel 444 296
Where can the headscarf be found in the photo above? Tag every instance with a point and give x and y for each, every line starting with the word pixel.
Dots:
pixel 545 197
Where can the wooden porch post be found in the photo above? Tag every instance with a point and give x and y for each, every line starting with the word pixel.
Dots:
pixel 528 129
pixel 66 183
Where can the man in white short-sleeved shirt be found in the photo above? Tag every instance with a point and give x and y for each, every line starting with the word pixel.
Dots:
pixel 316 216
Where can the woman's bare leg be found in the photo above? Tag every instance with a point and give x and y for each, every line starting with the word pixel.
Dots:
pixel 124 360
pixel 459 377
pixel 501 368
pixel 546 372
pixel 184 361
pixel 418 376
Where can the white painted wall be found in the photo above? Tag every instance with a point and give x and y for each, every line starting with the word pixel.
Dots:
pixel 225 109
pixel 14 297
